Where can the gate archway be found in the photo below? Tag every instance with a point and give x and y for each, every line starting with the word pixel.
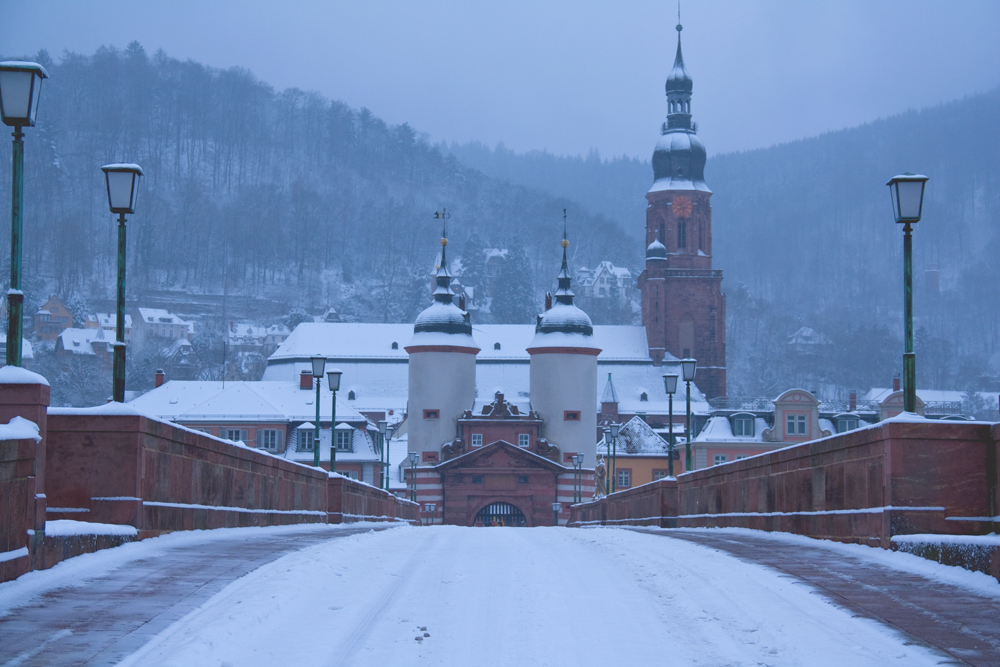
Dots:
pixel 500 514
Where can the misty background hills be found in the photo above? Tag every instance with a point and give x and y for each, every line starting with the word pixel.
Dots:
pixel 259 202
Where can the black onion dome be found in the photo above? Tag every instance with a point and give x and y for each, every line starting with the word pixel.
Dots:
pixel 679 81
pixel 680 158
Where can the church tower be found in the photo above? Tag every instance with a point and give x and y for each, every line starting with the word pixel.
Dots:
pixel 683 308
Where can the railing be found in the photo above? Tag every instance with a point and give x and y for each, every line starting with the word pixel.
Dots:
pixel 756 404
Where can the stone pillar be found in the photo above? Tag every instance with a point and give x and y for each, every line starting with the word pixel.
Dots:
pixel 26 394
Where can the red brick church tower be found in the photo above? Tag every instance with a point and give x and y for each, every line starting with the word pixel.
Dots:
pixel 683 308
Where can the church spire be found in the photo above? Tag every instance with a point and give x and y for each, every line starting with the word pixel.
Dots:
pixel 679 87
pixel 442 293
pixel 564 294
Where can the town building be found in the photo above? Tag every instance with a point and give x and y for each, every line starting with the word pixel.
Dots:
pixel 160 323
pixel 605 281
pixel 51 319
pixel 97 344
pixel 109 322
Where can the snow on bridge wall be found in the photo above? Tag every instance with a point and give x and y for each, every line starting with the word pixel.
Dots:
pixel 130 469
pixel 865 486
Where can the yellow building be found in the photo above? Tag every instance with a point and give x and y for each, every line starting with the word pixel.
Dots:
pixel 639 455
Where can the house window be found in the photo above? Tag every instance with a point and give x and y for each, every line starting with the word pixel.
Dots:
pixel 269 438
pixel 795 424
pixel 477 439
pixel 643 396
pixel 624 478
pixel 477 479
pixel 659 474
pixel 395 345
pixel 307 440
pixel 431 414
pixel 719 459
pixel 571 416
pixel 348 473
pixel 344 440
pixel 522 479
pixel 496 346
pixel 350 396
pixel 743 425
pixel 846 424
pixel 234 434
pixel 522 440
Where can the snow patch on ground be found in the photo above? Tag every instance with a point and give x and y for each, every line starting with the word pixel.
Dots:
pixel 446 595
pixel 976 582
pixel 78 570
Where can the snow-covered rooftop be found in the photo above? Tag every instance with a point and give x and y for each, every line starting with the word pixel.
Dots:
pixel 264 401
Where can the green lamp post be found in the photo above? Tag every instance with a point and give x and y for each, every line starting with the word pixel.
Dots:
pixel 907 204
pixel 670 386
pixel 20 87
pixel 318 366
pixel 614 428
pixel 383 425
pixel 413 476
pixel 333 381
pixel 122 181
pixel 688 369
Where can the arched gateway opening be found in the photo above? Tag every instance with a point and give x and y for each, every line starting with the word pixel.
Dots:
pixel 500 514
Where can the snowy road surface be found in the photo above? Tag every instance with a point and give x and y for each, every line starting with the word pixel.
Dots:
pixel 521 597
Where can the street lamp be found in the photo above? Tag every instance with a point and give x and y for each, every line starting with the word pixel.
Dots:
pixel 20 86
pixel 556 508
pixel 670 386
pixel 689 367
pixel 388 439
pixel 429 509
pixel 607 459
pixel 122 181
pixel 332 381
pixel 382 425
pixel 907 192
pixel 413 476
pixel 318 366
pixel 614 455
pixel 576 471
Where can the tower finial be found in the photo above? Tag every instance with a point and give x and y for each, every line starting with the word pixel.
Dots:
pixel 679 26
pixel 443 216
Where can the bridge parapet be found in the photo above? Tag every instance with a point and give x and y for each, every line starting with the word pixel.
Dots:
pixel 895 478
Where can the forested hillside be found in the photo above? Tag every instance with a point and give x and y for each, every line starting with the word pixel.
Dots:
pixel 278 199
pixel 805 236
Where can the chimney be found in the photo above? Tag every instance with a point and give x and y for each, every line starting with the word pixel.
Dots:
pixel 852 401
pixel 895 383
pixel 158 378
pixel 305 380
pixel 461 301
pixel 548 301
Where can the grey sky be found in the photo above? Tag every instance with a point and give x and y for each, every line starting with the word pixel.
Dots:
pixel 564 76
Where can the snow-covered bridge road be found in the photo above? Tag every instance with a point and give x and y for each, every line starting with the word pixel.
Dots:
pixel 447 596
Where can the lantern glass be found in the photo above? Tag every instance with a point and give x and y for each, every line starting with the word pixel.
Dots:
pixel 907 192
pixel 688 368
pixel 123 186
pixel 20 88
pixel 576 460
pixel 556 507
pixel 382 426
pixel 333 379
pixel 318 366
pixel 582 456
pixel 614 430
pixel 413 458
pixel 670 383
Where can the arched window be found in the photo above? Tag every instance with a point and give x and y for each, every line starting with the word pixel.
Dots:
pixel 350 395
pixel 643 396
pixel 395 345
pixel 496 346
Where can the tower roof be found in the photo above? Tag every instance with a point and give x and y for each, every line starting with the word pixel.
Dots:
pixel 564 324
pixel 656 250
pixel 679 81
pixel 443 323
pixel 609 395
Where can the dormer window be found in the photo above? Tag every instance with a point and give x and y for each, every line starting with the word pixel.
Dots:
pixel 496 346
pixel 743 425
pixel 795 425
pixel 395 345
pixel 847 422
pixel 643 396
pixel 350 395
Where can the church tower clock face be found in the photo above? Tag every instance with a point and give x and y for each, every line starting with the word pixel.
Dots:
pixel 682 207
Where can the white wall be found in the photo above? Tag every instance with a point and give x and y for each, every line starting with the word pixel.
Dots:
pixel 561 382
pixel 444 381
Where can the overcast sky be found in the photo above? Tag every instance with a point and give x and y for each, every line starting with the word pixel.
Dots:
pixel 563 76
